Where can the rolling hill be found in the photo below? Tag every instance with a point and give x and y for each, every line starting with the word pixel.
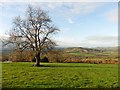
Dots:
pixel 91 50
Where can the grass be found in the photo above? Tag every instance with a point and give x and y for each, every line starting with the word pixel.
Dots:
pixel 59 75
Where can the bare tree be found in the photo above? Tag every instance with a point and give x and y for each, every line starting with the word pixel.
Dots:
pixel 33 32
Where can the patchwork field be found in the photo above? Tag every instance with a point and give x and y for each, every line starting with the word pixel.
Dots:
pixel 59 75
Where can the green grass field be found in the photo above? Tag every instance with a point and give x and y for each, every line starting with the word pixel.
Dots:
pixel 59 75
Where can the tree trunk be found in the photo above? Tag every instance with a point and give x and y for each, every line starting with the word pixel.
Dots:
pixel 37 59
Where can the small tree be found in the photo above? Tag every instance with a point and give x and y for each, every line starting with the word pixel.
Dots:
pixel 34 32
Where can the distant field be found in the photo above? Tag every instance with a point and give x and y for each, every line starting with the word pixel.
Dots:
pixel 82 54
pixel 110 54
pixel 59 75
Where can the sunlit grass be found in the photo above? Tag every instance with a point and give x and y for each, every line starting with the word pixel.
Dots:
pixel 59 75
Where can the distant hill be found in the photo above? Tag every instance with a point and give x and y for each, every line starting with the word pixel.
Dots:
pixel 108 49
pixel 90 50
pixel 6 49
pixel 81 50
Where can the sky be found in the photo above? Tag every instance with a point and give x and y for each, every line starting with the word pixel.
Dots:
pixel 81 24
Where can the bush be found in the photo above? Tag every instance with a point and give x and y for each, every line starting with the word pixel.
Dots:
pixel 17 56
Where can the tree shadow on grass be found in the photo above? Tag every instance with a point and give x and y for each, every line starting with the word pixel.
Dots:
pixel 62 66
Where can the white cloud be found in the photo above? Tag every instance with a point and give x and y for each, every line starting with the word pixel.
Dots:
pixel 48 5
pixel 102 38
pixel 2 31
pixel 91 41
pixel 54 5
pixel 3 37
pixel 69 10
pixel 100 41
pixel 67 42
pixel 112 15
pixel 82 8
pixel 74 9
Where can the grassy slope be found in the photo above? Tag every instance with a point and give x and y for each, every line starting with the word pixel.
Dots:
pixel 59 75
